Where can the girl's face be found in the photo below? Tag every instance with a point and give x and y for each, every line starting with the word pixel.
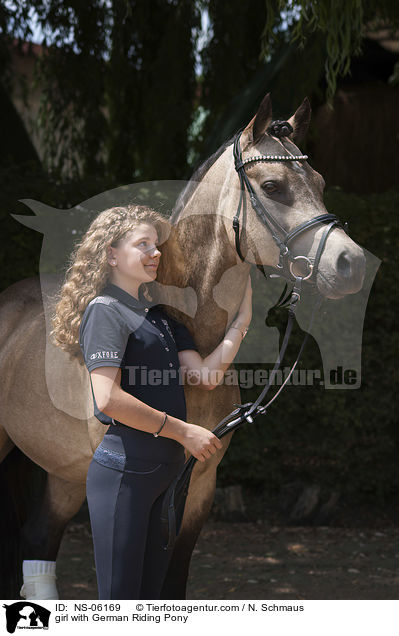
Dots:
pixel 136 258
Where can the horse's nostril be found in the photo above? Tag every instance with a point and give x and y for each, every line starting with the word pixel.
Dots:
pixel 344 265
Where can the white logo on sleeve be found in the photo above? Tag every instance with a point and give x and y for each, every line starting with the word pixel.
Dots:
pixel 104 355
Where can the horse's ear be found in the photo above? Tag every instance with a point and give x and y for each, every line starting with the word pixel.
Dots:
pixel 300 121
pixel 259 124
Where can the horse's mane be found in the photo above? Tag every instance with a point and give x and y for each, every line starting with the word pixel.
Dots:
pixel 198 175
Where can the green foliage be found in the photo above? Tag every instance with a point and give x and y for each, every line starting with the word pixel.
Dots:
pixel 117 83
pixel 69 75
pixel 231 55
pixel 120 96
pixel 342 24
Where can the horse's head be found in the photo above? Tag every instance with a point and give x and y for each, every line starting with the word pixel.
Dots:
pixel 288 194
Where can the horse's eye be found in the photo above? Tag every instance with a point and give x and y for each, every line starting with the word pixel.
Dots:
pixel 269 187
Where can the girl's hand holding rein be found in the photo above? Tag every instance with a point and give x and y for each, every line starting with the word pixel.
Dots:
pixel 199 441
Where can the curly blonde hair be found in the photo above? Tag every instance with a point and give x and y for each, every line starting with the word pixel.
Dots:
pixel 88 270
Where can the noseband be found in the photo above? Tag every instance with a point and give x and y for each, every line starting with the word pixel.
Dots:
pixel 281 237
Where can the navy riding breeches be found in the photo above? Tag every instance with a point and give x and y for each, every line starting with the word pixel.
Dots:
pixel 126 481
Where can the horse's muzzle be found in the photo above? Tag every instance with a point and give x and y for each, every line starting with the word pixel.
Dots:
pixel 345 275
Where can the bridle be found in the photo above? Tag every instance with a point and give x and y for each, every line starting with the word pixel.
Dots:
pixel 281 237
pixel 175 496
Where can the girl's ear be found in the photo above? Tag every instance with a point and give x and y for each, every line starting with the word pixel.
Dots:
pixel 110 254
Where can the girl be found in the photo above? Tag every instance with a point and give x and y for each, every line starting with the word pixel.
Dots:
pixel 133 350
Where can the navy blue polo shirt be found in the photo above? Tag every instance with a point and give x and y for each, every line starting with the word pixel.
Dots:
pixel 140 338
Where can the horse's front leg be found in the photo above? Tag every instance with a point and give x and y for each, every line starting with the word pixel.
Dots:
pixel 42 533
pixel 198 506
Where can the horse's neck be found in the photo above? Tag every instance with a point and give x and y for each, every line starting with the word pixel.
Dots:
pixel 208 260
pixel 201 230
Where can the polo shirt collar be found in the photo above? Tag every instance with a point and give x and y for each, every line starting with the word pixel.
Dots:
pixel 120 294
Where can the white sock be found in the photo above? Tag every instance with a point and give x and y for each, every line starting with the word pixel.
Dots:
pixel 39 580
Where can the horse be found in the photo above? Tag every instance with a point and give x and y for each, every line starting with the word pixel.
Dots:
pixel 207 261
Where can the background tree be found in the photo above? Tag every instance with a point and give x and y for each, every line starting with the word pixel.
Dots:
pixel 119 82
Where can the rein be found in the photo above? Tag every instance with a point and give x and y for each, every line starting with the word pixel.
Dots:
pixel 175 496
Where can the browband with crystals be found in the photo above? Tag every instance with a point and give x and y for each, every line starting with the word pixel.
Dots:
pixel 271 158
